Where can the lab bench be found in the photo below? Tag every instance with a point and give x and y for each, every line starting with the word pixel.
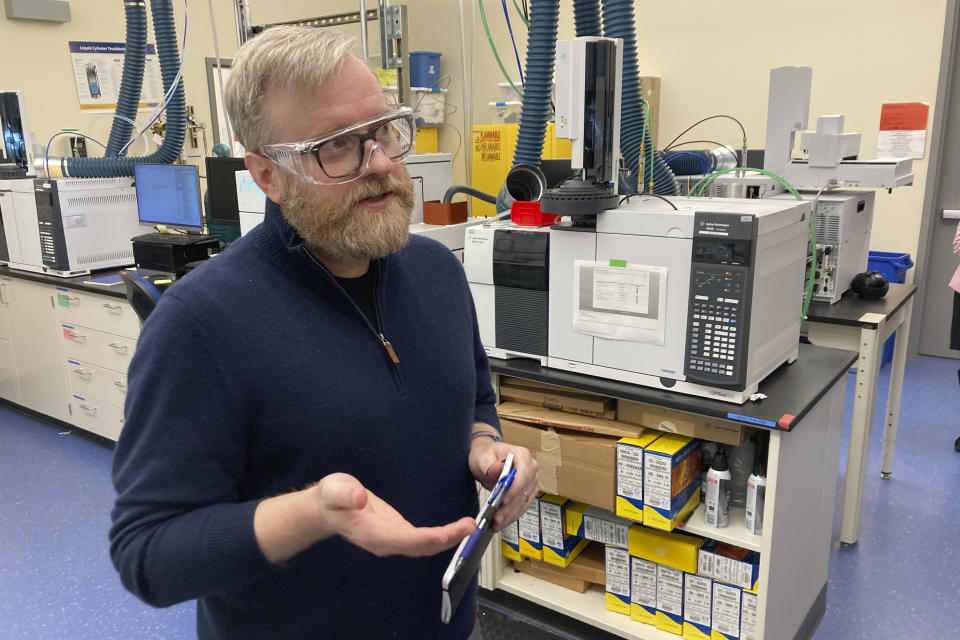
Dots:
pixel 803 412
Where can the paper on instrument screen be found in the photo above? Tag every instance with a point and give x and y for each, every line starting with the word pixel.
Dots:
pixel 620 303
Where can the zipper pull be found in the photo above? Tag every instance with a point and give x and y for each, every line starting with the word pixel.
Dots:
pixel 389 349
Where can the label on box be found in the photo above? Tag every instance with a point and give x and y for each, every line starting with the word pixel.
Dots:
pixel 511 534
pixel 669 590
pixel 551 524
pixel 607 532
pixel 657 483
pixel 530 523
pixel 643 582
pixel 630 472
pixel 748 616
pixel 726 609
pixel 696 599
pixel 618 572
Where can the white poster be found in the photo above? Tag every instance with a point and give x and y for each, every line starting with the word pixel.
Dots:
pixel 98 70
pixel 620 301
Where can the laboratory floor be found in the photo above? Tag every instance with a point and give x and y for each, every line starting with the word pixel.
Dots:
pixel 900 581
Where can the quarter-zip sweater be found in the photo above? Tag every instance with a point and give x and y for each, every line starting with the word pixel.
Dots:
pixel 257 375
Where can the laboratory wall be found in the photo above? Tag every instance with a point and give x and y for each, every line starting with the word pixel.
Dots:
pixel 712 59
pixel 715 57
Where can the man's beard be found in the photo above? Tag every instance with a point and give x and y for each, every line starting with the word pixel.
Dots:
pixel 342 230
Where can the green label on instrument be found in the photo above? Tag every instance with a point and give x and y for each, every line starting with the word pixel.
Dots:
pixel 618 263
pixel 63 300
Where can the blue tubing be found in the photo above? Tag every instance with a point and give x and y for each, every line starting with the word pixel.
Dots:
pixel 135 52
pixel 165 32
pixel 587 16
pixel 618 22
pixel 690 163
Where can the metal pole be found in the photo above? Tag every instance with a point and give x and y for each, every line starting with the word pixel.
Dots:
pixel 241 15
pixel 363 30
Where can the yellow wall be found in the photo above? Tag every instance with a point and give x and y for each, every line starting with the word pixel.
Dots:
pixel 715 59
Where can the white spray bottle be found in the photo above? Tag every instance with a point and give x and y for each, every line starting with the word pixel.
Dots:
pixel 718 491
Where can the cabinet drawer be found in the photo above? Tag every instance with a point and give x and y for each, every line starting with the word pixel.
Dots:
pixel 96 347
pixel 96 416
pixel 97 383
pixel 105 313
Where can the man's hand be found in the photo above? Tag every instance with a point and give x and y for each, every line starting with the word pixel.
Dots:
pixel 287 524
pixel 486 463
pixel 370 523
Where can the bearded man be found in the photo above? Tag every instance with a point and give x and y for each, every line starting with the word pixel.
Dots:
pixel 308 412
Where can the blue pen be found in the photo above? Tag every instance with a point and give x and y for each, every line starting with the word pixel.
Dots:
pixel 493 503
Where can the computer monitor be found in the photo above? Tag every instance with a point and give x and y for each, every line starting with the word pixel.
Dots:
pixel 168 194
pixel 222 189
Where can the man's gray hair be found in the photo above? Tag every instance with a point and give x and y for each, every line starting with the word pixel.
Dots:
pixel 297 59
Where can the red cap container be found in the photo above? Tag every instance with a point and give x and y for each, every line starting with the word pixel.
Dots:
pixel 528 214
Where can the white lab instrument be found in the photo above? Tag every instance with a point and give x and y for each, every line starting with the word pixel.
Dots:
pixel 704 300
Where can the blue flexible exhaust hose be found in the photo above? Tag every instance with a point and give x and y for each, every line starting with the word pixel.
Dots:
pixel 541 50
pixel 586 13
pixel 165 31
pixel 135 53
pixel 618 22
pixel 690 163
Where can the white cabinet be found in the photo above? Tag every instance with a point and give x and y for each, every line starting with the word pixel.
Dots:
pixel 64 352
pixel 97 335
pixel 36 353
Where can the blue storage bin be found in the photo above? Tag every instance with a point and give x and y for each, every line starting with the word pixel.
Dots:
pixel 424 69
pixel 894 266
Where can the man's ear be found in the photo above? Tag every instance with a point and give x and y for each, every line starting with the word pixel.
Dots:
pixel 266 174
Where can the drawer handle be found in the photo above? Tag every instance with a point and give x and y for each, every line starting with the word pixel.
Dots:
pixel 120 348
pixel 122 387
pixel 86 374
pixel 79 338
pixel 113 308
pixel 91 410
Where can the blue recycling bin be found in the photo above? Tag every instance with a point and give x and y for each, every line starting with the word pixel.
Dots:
pixel 894 266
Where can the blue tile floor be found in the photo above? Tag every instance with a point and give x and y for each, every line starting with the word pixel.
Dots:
pixel 901 581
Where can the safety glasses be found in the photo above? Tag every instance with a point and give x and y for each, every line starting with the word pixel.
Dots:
pixel 343 156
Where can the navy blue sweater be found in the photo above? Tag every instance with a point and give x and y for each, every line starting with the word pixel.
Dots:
pixel 256 376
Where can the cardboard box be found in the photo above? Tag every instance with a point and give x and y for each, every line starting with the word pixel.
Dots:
pixel 697 606
pixel 730 564
pixel 643 590
pixel 550 418
pixel 594 523
pixel 589 566
pixel 510 542
pixel 559 547
pixel 629 498
pixel 725 612
pixel 671 480
pixel 575 465
pixel 669 599
pixel 682 423
pixel 560 400
pixel 675 550
pixel 551 574
pixel 531 545
pixel 618 580
pixel 748 615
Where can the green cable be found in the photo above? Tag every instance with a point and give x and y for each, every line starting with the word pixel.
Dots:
pixel 653 143
pixel 483 18
pixel 520 13
pixel 706 180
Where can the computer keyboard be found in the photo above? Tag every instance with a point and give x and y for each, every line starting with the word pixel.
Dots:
pixel 172 238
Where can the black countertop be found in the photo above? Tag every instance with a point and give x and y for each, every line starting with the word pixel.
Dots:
pixel 792 390
pixel 849 308
pixel 78 282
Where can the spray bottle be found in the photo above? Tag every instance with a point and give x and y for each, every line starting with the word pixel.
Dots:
pixel 718 491
pixel 756 491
